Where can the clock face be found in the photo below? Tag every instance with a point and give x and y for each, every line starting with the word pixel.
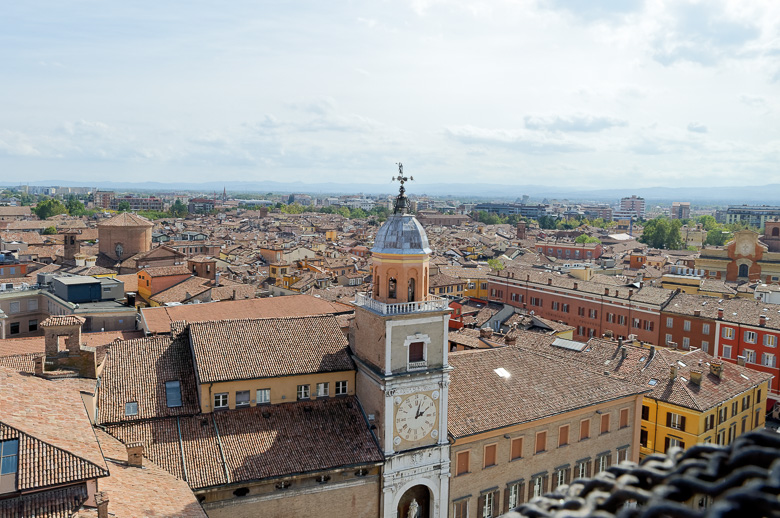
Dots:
pixel 415 417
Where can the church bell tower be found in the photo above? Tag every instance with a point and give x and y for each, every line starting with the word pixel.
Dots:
pixel 399 341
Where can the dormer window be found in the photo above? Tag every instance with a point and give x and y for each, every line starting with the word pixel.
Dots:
pixel 131 408
pixel 173 393
pixel 9 465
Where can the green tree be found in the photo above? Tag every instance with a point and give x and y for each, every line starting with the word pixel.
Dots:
pixel 178 209
pixel 718 236
pixel 357 213
pixel 584 238
pixel 48 208
pixel 123 206
pixel 74 206
pixel 662 233
pixel 708 222
pixel 495 264
pixel 49 231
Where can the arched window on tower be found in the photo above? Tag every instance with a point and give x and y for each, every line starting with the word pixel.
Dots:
pixel 776 232
pixel 743 270
pixel 411 290
pixel 391 288
pixel 376 286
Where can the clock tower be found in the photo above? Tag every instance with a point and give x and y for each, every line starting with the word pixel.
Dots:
pixel 399 340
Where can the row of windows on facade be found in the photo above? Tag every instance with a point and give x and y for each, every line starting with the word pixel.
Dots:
pixel 567 252
pixel 487 505
pixel 728 333
pixel 263 396
pixel 16 306
pixel 563 307
pixel 14 328
pixel 677 421
pixel 489 455
pixel 767 359
pixel 671 441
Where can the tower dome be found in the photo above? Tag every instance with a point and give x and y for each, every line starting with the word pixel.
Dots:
pixel 401 234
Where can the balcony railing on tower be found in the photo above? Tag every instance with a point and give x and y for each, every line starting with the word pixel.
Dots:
pixel 431 303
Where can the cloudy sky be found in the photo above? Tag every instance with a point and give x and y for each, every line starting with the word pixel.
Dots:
pixel 550 92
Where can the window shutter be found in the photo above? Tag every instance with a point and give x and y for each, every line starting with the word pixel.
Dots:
pixel 506 499
pixel 544 484
pixel 567 476
pixel 495 504
pixel 520 493
pixel 587 469
pixel 530 489
pixel 666 444
pixel 480 506
pixel 669 419
pixel 682 423
pixel 609 459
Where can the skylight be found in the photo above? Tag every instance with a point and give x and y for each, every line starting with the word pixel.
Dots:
pixel 502 372
pixel 652 382
pixel 681 363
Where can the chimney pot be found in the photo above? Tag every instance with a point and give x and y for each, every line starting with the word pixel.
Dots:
pixel 135 454
pixel 697 312
pixel 549 282
pixel 741 360
pixel 672 371
pixel 673 346
pixel 630 293
pixel 38 365
pixel 762 320
pixel 696 376
pixel 716 368
pixel 606 291
pixel 576 286
pixel 101 501
pixel 720 313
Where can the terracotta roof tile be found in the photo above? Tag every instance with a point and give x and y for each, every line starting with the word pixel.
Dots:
pixel 59 503
pixel 261 348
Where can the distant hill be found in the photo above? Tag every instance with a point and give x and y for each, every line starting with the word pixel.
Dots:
pixel 755 194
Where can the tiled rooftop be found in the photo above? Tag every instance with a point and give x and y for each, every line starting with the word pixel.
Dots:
pixel 261 348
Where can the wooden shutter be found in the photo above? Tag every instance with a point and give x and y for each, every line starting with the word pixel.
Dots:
pixel 584 429
pixel 605 423
pixel 481 506
pixel 567 476
pixel 669 419
pixel 682 423
pixel 666 445
pixel 517 448
pixel 495 504
pixel 490 455
pixel 506 499
pixel 624 418
pixel 563 435
pixel 544 484
pixel 463 462
pixel 587 468
pixel 541 441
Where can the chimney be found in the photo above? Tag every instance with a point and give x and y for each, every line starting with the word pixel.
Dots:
pixel 673 346
pixel 549 282
pixel 38 365
pixel 623 352
pixel 485 332
pixel 672 371
pixel 697 312
pixel 527 277
pixel 741 360
pixel 720 313
pixel 216 279
pixel 630 293
pixel 762 320
pixel 606 291
pixel 101 501
pixel 135 454
pixel 620 341
pixel 510 339
pixel 576 286
pixel 696 377
pixel 716 369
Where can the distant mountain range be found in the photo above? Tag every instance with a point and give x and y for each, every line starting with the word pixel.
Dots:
pixel 756 194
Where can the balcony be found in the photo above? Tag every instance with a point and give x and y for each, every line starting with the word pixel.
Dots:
pixel 432 303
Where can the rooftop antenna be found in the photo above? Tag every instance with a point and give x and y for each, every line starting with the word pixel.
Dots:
pixel 401 202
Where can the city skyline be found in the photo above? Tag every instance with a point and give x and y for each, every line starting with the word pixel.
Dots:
pixel 621 94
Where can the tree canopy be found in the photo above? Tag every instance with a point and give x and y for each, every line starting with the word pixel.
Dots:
pixel 584 238
pixel 662 233
pixel 48 208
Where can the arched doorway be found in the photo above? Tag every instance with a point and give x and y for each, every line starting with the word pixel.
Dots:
pixel 743 270
pixel 417 499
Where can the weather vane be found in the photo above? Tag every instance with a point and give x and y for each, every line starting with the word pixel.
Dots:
pixel 401 202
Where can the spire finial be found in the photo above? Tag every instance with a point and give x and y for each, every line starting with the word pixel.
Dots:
pixel 401 201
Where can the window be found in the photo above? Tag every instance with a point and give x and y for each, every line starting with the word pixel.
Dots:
pixel 610 318
pixel 584 429
pixel 561 477
pixel 705 329
pixel 541 442
pixel 563 435
pixel 173 394
pixel 675 421
pixel 536 301
pixel 727 351
pixel 582 469
pixel 686 325
pixel 516 450
pixel 637 323
pixel 32 305
pixel 242 398
pixel 537 486
pixel 341 388
pixel 672 442
pixel 622 454
pixel 669 322
pixel 32 325
pixel 723 414
pixel 623 417
pixel 14 307
pixel 686 343
pixel 9 456
pixel 488 506
pixel 513 492
pixel 462 463
pixel 323 389
pixel 734 408
pixel 416 352
pixel 304 392
pixel 751 337
pixel 745 402
pixel 721 437
pixel 221 400
pixel 770 340
pixel 622 320
pixel 709 422
pixel 565 308
pixel 645 412
pixel 668 339
pixel 705 346
pixel 643 437
pixel 604 423
pixel 556 305
pixel 490 456
pixel 648 325
pixel 768 360
pixel 732 432
pixel 593 313
pixel 750 356
pixel 728 333
pixel 391 288
pixel 131 408
pixel 263 396
pixel 603 462
pixel 14 328
pixel 460 509
pixel 581 311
